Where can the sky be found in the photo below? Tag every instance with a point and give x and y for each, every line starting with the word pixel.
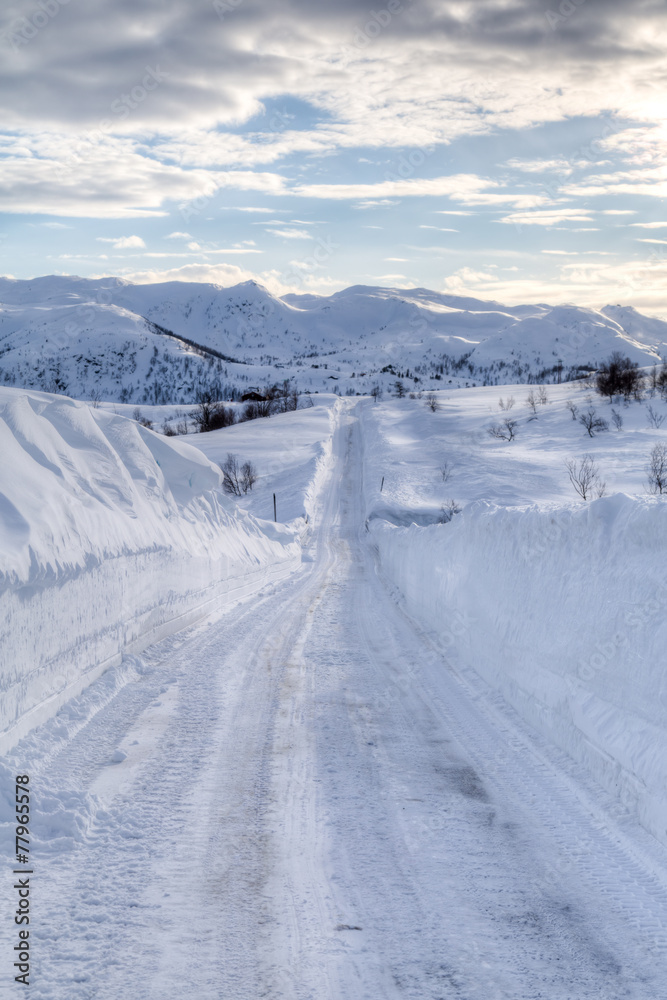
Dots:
pixel 508 149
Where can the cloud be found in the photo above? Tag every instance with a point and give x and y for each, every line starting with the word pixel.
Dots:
pixel 468 188
pixel 290 234
pixel 593 283
pixel 123 242
pixel 178 236
pixel 547 217
pixel 649 225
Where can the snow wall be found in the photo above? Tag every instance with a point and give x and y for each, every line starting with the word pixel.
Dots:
pixel 111 537
pixel 563 611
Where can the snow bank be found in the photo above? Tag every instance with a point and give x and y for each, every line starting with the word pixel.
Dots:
pixel 110 537
pixel 562 610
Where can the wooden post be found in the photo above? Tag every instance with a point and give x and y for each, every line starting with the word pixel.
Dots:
pixel 381 484
pixel 274 508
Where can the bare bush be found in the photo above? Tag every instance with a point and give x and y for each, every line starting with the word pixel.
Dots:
pixel 573 408
pixel 446 471
pixel 237 479
pixel 585 477
pixel 616 419
pixel 140 419
pixel 592 422
pixel 657 469
pixel 432 402
pixel 447 511
pixel 542 395
pixel 531 401
pixel 221 416
pixel 619 376
pixel 506 404
pixel 654 418
pixel 167 429
pixel 505 431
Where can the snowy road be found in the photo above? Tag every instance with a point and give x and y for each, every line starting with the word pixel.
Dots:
pixel 314 805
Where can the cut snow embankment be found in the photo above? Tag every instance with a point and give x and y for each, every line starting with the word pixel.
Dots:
pixel 111 536
pixel 562 610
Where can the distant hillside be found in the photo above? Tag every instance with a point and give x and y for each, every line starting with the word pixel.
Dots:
pixel 161 343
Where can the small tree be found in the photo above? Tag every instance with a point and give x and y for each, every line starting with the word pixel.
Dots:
pixel 432 402
pixel 543 397
pixel 505 431
pixel 399 389
pixel 573 408
pixel 593 423
pixel 248 476
pixel 657 469
pixel 221 416
pixel 584 476
pixel 376 393
pixel 619 376
pixel 447 511
pixel 655 419
pixel 531 401
pixel 506 404
pixel 237 479
pixel 446 471
pixel 662 380
pixel 616 419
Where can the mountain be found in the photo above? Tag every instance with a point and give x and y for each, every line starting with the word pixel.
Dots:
pixel 160 343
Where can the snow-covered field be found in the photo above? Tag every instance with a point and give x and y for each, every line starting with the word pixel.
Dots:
pixel 559 604
pixel 384 757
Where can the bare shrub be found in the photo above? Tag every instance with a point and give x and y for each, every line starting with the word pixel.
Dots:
pixel 592 422
pixel 237 479
pixel 657 469
pixel 221 416
pixel 616 419
pixel 505 431
pixel 446 471
pixel 655 419
pixel 432 402
pixel 531 401
pixel 447 511
pixel 542 395
pixel 585 477
pixel 506 404
pixel 619 376
pixel 573 408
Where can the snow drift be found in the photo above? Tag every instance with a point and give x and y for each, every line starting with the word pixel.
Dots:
pixel 562 610
pixel 110 537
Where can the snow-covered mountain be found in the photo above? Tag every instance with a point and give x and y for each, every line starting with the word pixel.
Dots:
pixel 159 343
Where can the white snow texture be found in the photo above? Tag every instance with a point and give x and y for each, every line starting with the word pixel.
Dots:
pixel 561 609
pixel 111 536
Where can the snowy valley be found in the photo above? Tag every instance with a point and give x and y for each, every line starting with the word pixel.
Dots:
pixel 408 739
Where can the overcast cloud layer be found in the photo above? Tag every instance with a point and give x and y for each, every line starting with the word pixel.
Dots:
pixel 510 149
